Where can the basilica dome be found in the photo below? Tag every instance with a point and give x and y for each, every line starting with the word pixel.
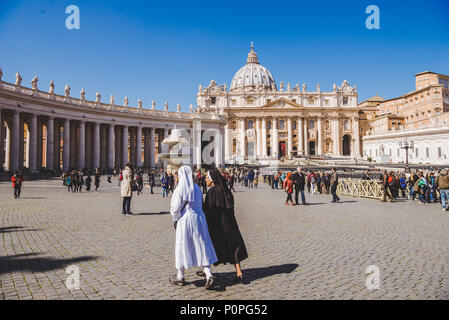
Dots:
pixel 252 75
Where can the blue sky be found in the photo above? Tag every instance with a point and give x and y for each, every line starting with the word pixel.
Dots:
pixel 162 50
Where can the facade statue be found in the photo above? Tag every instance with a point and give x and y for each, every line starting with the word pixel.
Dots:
pixel 166 106
pixel 297 88
pixel 153 105
pixel 335 87
pixel 303 87
pixel 139 104
pixel 200 88
pixel 288 86
pixel 281 85
pixel 273 87
pixel 178 107
pixel 67 90
pixel 125 101
pixel 83 94
pixel 191 108
pixel 34 82
pixel 98 97
pixel 318 87
pixel 112 99
pixel 18 79
pixel 51 89
pixel 1 74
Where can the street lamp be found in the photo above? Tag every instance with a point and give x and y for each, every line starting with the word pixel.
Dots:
pixel 406 145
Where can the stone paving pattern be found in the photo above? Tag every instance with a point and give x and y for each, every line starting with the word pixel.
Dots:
pixel 319 251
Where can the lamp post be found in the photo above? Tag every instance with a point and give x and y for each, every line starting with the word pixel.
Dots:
pixel 406 145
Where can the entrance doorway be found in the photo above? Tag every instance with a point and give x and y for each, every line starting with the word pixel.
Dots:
pixel 346 145
pixel 282 149
pixel 312 148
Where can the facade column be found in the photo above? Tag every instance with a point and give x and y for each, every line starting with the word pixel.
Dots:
pixel 139 147
pixel 111 147
pixel 152 148
pixel 218 147
pixel 33 144
pixel 125 146
pixel 242 138
pixel 66 146
pixel 306 144
pixel 227 141
pixel 264 137
pixel 146 154
pixel 336 131
pixel 300 137
pixel 8 148
pixel 290 137
pixel 82 146
pixel 355 126
pixel 320 136
pixel 96 145
pixel 49 163
pixel 274 139
pixel 258 139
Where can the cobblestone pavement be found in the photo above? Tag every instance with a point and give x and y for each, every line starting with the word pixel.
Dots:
pixel 319 251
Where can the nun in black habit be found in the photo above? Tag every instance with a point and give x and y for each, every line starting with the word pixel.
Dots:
pixel 223 229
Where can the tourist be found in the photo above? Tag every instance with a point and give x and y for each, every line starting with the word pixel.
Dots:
pixel 334 184
pixel 97 180
pixel 126 189
pixel 139 181
pixel 288 187
pixel 17 180
pixel 403 184
pixel 88 183
pixel 299 182
pixel 442 182
pixel 194 246
pixel 231 182
pixel 223 228
pixel 151 181
pixel 165 185
pixel 313 182
pixel 251 178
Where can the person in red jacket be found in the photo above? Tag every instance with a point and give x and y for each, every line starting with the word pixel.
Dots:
pixel 17 184
pixel 288 187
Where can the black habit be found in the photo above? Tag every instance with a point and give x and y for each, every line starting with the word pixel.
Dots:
pixel 218 208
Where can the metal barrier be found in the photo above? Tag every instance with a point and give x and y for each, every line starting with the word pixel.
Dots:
pixel 360 188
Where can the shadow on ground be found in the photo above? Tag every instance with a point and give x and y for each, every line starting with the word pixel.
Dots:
pixel 226 279
pixel 28 262
pixel 151 213
pixel 15 229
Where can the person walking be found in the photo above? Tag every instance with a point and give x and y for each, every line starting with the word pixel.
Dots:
pixel 222 225
pixel 88 183
pixel 126 189
pixel 299 182
pixel 16 180
pixel 165 185
pixel 97 180
pixel 231 182
pixel 194 247
pixel 151 181
pixel 442 182
pixel 334 184
pixel 288 187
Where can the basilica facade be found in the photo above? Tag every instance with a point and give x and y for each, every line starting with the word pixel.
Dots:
pixel 265 122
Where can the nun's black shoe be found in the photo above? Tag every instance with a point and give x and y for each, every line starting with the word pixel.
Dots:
pixel 239 279
pixel 174 280
pixel 210 283
pixel 200 274
pixel 129 213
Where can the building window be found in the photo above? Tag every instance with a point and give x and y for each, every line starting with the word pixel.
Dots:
pixel 281 125
pixel 416 152
pixel 345 101
pixel 346 125
pixel 294 125
pixel 233 102
pixel 268 100
pixel 213 100
pixel 250 124
pixel 269 125
pixel 427 152
pixel 311 124
pixel 439 152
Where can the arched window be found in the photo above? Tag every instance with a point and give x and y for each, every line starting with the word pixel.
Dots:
pixel 281 125
pixel 250 124
pixel 294 125
pixel 269 125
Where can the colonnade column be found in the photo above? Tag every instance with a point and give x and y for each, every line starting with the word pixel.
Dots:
pixel 300 137
pixel 139 147
pixel 320 136
pixel 111 148
pixel 33 145
pixel 50 143
pixel 264 137
pixel 152 148
pixel 227 141
pixel 125 146
pixel 218 147
pixel 66 146
pixel 82 145
pixel 290 137
pixel 97 145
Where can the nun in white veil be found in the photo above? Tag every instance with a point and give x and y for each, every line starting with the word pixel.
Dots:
pixel 194 247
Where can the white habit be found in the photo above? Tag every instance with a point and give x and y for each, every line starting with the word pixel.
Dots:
pixel 194 247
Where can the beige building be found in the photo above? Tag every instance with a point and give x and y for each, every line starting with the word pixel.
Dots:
pixel 427 105
pixel 266 122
